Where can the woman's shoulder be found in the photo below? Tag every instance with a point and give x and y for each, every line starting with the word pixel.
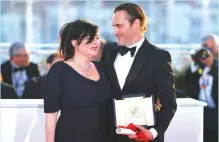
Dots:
pixel 56 67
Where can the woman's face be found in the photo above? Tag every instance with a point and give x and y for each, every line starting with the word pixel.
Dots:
pixel 89 49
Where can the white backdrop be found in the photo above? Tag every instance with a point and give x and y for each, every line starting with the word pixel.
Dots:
pixel 24 121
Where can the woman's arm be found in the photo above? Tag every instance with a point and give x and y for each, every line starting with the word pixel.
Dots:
pixel 51 119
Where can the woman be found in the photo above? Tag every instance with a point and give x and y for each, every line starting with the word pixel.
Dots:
pixel 77 88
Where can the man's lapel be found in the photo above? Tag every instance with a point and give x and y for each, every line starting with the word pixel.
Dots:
pixel 9 74
pixel 28 71
pixel 138 63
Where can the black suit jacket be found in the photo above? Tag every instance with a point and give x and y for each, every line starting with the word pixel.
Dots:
pixel 151 73
pixel 7 91
pixel 34 87
pixel 31 70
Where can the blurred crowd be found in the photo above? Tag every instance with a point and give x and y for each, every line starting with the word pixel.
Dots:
pixel 21 79
pixel 202 83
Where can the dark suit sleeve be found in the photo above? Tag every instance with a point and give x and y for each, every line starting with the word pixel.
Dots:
pixel 110 113
pixel 6 72
pixel 165 87
pixel 30 89
pixel 36 71
pixel 103 57
pixel 107 53
pixel 7 91
pixel 192 83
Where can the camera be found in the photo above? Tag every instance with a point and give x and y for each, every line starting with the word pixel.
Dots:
pixel 199 54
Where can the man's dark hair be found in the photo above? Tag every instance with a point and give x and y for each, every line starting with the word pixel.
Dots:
pixel 134 12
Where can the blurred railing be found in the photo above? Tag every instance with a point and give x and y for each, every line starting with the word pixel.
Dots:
pixel 39 53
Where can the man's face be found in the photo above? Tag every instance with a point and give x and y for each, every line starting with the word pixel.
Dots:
pixel 208 61
pixel 212 45
pixel 123 30
pixel 210 42
pixel 21 59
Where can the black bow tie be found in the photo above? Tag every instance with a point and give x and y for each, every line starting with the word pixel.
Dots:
pixel 123 50
pixel 18 69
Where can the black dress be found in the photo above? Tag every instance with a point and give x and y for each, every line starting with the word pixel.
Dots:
pixel 84 104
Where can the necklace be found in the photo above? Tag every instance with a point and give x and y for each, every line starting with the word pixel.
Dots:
pixel 84 69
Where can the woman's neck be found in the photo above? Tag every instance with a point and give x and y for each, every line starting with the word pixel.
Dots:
pixel 81 60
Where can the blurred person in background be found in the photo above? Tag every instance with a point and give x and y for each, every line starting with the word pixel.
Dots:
pixel 34 86
pixel 193 74
pixel 18 69
pixel 205 88
pixel 208 93
pixel 77 88
pixel 7 90
pixel 211 42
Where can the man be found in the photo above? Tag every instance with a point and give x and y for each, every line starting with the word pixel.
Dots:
pixel 34 86
pixel 18 69
pixel 139 68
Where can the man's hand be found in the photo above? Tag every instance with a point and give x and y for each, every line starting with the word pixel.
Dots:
pixel 146 132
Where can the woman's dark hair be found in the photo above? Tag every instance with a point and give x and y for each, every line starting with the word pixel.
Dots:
pixel 134 12
pixel 76 30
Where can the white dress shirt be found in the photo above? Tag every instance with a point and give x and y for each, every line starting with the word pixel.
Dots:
pixel 122 67
pixel 205 94
pixel 18 80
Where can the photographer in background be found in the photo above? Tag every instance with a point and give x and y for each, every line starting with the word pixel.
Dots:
pixel 203 85
pixel 208 93
pixel 193 74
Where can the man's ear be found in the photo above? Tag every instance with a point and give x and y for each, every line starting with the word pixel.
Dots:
pixel 136 24
pixel 74 43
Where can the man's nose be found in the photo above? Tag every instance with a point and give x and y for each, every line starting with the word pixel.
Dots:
pixel 115 31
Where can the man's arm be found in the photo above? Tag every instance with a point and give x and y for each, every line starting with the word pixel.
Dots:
pixel 165 91
pixel 30 90
pixel 37 72
pixel 165 88
pixel 33 69
pixel 106 52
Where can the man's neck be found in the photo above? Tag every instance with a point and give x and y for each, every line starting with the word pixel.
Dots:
pixel 14 65
pixel 135 40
